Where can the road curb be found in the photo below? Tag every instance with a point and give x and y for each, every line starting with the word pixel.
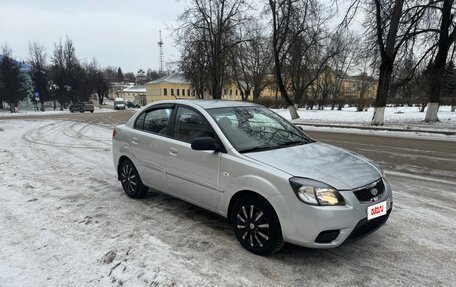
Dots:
pixel 448 133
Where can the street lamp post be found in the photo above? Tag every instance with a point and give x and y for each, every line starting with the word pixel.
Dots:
pixel 68 88
pixel 53 87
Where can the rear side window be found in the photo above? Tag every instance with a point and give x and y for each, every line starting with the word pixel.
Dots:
pixel 190 125
pixel 139 123
pixel 154 121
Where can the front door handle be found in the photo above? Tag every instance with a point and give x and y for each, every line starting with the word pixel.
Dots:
pixel 173 151
pixel 134 140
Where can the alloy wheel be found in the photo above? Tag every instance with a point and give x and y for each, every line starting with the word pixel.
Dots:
pixel 128 179
pixel 253 226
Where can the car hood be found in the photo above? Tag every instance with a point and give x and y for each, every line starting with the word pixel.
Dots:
pixel 332 165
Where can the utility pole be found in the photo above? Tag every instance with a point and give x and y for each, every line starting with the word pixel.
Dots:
pixel 160 48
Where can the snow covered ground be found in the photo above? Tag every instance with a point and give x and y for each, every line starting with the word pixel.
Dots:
pixel 394 116
pixel 6 113
pixel 65 221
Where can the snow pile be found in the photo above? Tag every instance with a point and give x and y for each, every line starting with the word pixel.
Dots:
pixel 393 116
pixel 6 113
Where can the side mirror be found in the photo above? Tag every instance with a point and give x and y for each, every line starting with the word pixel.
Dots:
pixel 205 143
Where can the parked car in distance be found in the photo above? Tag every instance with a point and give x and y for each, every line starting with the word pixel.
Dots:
pixel 271 181
pixel 131 104
pixel 82 107
pixel 119 104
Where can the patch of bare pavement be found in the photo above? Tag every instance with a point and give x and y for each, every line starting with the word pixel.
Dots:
pixel 85 231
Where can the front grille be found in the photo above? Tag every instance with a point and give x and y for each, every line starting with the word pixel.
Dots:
pixel 371 192
pixel 327 236
pixel 364 227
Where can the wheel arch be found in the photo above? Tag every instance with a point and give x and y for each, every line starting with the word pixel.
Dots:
pixel 119 163
pixel 239 194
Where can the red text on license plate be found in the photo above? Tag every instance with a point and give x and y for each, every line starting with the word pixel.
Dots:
pixel 376 210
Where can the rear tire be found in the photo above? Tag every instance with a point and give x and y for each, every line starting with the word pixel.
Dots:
pixel 130 180
pixel 256 225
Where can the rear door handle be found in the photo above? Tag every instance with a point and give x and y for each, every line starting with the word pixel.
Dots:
pixel 173 151
pixel 134 140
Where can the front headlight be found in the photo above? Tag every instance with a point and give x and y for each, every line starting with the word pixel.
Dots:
pixel 315 192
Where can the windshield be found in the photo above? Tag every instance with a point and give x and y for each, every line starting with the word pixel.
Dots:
pixel 257 128
pixel 119 102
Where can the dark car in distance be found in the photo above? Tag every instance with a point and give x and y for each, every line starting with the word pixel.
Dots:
pixel 131 104
pixel 82 107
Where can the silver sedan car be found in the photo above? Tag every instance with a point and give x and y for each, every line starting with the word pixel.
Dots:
pixel 271 181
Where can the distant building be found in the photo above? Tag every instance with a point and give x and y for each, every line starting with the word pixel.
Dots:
pixel 169 87
pixel 355 86
pixel 136 94
pixel 176 86
pixel 116 88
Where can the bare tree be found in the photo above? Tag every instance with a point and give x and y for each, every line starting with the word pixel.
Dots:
pixel 281 11
pixel 38 71
pixel 349 56
pixel 214 23
pixel 14 86
pixel 446 38
pixel 311 49
pixel 388 51
pixel 195 61
pixel 394 27
pixel 251 61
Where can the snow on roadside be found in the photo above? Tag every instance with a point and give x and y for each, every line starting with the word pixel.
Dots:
pixel 393 116
pixel 401 134
pixel 6 113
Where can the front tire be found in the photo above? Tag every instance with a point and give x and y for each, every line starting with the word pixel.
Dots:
pixel 131 182
pixel 256 225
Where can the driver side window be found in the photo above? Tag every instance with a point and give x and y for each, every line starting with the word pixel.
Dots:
pixel 190 125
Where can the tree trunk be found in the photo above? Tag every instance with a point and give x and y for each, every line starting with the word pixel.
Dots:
pixel 386 70
pixel 453 108
pixel 379 115
pixel 438 67
pixel 293 112
pixel 431 113
pixel 387 53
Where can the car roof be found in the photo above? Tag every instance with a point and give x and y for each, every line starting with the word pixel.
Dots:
pixel 211 104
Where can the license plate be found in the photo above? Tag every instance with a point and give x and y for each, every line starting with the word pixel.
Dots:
pixel 376 210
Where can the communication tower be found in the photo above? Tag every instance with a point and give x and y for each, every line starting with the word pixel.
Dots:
pixel 160 50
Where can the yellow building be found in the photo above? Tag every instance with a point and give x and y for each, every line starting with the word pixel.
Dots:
pixel 170 87
pixel 355 86
pixel 176 86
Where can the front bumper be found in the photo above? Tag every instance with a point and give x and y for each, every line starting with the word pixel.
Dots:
pixel 327 226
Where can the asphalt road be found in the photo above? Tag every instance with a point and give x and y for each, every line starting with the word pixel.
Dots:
pixel 416 246
pixel 430 159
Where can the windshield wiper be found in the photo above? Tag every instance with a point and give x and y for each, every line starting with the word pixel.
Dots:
pixel 258 148
pixel 263 148
pixel 292 143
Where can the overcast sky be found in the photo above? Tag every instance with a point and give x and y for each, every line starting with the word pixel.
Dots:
pixel 116 33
